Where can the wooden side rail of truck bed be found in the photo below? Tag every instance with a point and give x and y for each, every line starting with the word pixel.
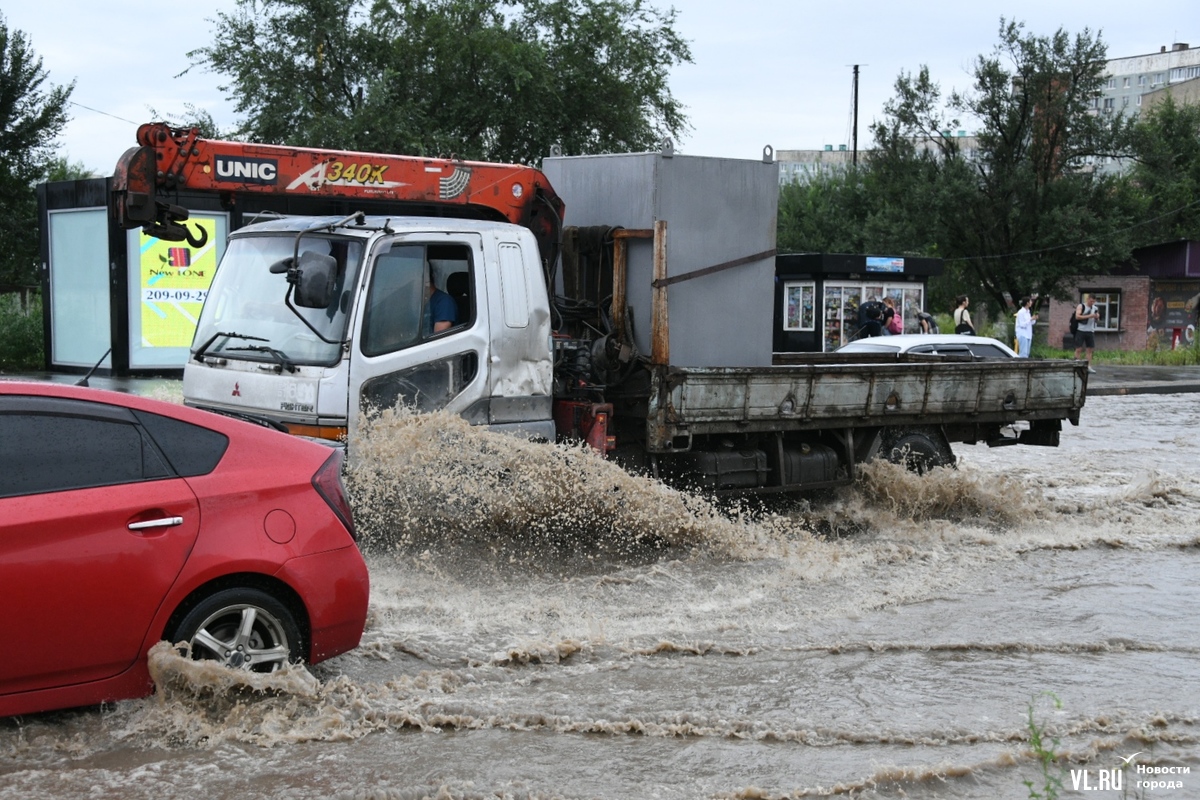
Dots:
pixel 843 392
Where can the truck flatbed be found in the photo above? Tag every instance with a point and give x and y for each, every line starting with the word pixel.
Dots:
pixel 821 392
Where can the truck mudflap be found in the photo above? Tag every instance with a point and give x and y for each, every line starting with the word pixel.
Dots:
pixel 687 402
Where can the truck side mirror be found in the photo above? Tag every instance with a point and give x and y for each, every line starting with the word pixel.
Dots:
pixel 314 277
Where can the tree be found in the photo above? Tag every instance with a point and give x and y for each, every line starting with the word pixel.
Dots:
pixel 1026 211
pixel 911 187
pixel 61 168
pixel 32 115
pixel 823 214
pixel 1165 148
pixel 192 117
pixel 477 79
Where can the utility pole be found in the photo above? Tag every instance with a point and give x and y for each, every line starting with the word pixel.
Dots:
pixel 854 131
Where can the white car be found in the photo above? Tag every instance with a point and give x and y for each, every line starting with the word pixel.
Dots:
pixel 938 344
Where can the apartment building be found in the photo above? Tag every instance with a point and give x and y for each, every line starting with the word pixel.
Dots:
pixel 801 166
pixel 1131 79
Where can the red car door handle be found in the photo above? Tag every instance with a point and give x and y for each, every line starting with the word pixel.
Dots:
pixel 165 522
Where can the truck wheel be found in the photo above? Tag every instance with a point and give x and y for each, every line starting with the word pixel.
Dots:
pixel 243 629
pixel 918 449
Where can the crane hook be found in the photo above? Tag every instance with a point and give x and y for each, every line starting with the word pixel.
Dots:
pixel 194 240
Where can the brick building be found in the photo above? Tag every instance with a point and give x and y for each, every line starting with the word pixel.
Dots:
pixel 1154 298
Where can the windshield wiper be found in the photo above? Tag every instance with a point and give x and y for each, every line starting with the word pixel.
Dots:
pixel 279 357
pixel 203 349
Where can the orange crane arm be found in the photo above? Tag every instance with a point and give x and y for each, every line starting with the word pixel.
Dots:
pixel 169 160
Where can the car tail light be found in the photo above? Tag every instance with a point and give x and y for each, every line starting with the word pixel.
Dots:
pixel 328 483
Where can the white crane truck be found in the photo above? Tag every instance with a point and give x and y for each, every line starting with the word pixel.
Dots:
pixel 656 352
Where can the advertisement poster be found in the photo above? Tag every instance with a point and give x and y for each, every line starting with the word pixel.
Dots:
pixel 1173 306
pixel 884 264
pixel 799 314
pixel 174 282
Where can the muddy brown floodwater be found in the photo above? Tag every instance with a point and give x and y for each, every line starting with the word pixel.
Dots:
pixel 545 626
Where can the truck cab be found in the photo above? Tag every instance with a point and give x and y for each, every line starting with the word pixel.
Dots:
pixel 311 320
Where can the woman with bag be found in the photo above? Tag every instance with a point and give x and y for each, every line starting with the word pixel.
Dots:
pixel 894 324
pixel 962 317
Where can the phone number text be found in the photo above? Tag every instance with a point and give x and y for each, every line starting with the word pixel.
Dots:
pixel 174 295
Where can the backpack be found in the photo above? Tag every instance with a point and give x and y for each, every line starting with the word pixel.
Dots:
pixel 1075 320
pixel 871 309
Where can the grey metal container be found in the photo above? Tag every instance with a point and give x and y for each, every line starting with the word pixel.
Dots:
pixel 717 210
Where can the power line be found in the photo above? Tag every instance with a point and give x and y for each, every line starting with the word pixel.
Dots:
pixel 105 113
pixel 1080 242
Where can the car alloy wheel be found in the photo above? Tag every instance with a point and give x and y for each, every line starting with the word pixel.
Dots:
pixel 242 629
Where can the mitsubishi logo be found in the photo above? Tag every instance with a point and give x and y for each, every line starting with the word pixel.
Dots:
pixel 237 392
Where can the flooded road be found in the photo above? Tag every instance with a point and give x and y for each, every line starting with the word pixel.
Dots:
pixel 544 626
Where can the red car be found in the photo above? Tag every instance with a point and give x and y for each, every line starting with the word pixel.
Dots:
pixel 125 521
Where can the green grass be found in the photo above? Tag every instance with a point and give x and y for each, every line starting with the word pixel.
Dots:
pixel 1158 353
pixel 1180 357
pixel 1045 749
pixel 946 325
pixel 20 334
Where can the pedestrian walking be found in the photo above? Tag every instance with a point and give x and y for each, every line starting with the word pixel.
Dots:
pixel 1025 320
pixel 962 317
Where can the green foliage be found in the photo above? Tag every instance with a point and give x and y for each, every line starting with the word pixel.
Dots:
pixel 910 188
pixel 193 117
pixel 18 232
pixel 942 290
pixel 1165 147
pixel 60 168
pixel 31 117
pixel 20 334
pixel 1045 751
pixel 31 114
pixel 478 79
pixel 1024 214
pixel 1023 211
pixel 823 215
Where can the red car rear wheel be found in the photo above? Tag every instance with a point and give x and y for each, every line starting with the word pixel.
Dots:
pixel 243 629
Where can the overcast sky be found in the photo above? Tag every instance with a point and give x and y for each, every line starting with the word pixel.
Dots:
pixel 775 72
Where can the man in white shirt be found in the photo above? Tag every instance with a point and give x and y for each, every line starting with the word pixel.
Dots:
pixel 1024 330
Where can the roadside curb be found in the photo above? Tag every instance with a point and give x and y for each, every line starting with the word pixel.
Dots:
pixel 1165 387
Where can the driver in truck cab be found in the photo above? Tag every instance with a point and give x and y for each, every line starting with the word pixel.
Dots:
pixel 441 312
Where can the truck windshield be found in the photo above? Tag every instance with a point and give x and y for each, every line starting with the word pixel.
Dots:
pixel 245 316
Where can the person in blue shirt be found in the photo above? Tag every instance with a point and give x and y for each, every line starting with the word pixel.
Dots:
pixel 441 312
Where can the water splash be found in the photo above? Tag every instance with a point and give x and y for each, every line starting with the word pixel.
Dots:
pixel 432 480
